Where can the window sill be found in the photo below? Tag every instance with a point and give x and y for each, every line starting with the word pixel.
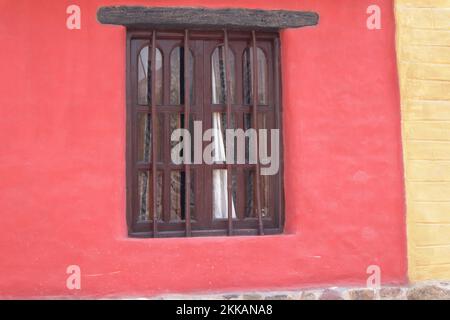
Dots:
pixel 207 233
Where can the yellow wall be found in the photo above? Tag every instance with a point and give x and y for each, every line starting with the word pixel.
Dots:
pixel 423 50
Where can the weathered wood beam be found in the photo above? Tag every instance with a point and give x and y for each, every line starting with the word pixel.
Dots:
pixel 200 18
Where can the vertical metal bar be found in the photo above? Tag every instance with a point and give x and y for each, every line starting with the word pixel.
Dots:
pixel 187 107
pixel 255 125
pixel 228 101
pixel 164 147
pixel 279 119
pixel 154 124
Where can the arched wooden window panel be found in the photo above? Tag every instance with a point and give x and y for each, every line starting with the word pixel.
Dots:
pixel 177 69
pixel 218 83
pixel 248 76
pixel 144 76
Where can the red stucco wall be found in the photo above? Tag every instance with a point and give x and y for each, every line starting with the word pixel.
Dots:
pixel 62 160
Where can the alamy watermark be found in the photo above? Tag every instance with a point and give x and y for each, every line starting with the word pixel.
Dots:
pixel 374 279
pixel 373 22
pixel 73 281
pixel 230 149
pixel 73 21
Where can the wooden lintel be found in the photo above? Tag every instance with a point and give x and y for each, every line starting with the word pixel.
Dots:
pixel 201 18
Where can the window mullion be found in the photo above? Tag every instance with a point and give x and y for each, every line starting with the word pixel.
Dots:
pixel 228 99
pixel 255 125
pixel 278 124
pixel 187 107
pixel 154 124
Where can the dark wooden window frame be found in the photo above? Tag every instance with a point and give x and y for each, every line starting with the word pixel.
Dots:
pixel 248 226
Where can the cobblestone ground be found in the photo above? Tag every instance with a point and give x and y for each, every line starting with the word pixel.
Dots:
pixel 419 291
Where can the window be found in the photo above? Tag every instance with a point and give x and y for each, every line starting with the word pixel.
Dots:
pixel 166 195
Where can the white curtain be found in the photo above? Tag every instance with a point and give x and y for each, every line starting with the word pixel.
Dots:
pixel 220 194
pixel 220 178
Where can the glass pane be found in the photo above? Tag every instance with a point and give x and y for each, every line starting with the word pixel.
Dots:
pixel 218 82
pixel 265 195
pixel 248 76
pixel 177 76
pixel 144 76
pixel 177 192
pixel 247 125
pixel 262 76
pixel 143 79
pixel 146 196
pixel 144 138
pixel 248 80
pixel 234 186
pixel 219 122
pixel 159 77
pixel 177 122
pixel 249 182
pixel 192 203
pixel 178 196
pixel 220 194
pixel 250 195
